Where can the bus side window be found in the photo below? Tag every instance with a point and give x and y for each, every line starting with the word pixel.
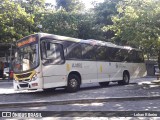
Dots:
pixel 114 54
pixel 124 54
pixel 140 57
pixel 118 56
pixel 74 51
pixel 88 52
pixel 101 53
pixel 110 54
pixel 132 56
pixel 52 53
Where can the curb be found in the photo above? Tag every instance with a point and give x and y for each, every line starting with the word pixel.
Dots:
pixel 77 101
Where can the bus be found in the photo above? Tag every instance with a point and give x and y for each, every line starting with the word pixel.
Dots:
pixel 44 61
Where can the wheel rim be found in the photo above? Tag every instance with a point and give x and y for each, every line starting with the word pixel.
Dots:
pixel 73 83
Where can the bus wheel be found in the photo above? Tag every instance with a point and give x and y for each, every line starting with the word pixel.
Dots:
pixel 73 83
pixel 103 84
pixel 125 80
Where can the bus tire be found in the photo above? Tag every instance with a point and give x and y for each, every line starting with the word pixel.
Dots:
pixel 125 80
pixel 103 84
pixel 73 83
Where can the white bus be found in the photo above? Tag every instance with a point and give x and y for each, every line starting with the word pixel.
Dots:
pixel 49 61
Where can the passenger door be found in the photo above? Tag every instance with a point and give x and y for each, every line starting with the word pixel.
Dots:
pixel 102 64
pixel 115 69
pixel 53 67
pixel 89 63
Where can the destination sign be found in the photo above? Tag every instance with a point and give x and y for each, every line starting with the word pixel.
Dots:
pixel 27 41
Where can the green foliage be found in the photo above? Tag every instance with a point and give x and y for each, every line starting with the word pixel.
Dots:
pixel 103 13
pixel 12 18
pixel 127 22
pixel 137 24
pixel 60 22
pixel 70 5
pixel 32 6
pixel 70 24
pixel 19 18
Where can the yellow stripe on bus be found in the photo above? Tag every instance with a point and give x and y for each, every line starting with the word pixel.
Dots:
pixel 68 67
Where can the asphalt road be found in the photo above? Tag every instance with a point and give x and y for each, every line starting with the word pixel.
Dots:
pixel 93 110
pixel 142 105
pixel 138 87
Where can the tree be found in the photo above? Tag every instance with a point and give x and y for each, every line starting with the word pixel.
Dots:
pixel 72 24
pixel 137 24
pixel 14 21
pixel 61 23
pixel 103 13
pixel 35 8
pixel 70 5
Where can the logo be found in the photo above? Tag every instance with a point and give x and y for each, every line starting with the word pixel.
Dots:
pixel 6 114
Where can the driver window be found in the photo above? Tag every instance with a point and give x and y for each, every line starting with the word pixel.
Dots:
pixel 52 53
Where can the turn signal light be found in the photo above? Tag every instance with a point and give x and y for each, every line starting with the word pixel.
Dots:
pixel 34 84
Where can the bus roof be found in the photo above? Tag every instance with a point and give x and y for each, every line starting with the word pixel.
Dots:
pixel 88 41
pixel 59 37
pixel 109 44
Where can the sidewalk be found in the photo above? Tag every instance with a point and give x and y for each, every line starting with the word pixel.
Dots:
pixel 5 80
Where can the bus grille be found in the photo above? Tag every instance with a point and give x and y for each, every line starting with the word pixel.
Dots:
pixel 24 80
pixel 23 85
pixel 23 75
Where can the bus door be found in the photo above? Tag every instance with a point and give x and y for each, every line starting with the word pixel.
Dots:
pixel 53 67
pixel 102 64
pixel 114 65
pixel 89 63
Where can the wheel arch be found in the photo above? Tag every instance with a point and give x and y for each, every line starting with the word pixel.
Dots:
pixel 75 73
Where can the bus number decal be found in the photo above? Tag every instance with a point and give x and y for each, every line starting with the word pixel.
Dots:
pixel 77 65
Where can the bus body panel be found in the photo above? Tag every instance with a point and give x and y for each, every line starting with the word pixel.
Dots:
pixel 103 69
pixel 87 70
pixel 54 75
pixel 115 71
pixel 135 70
pixel 139 70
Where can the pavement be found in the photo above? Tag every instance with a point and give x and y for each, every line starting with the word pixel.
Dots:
pixel 146 88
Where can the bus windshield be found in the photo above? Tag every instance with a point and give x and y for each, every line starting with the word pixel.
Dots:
pixel 27 58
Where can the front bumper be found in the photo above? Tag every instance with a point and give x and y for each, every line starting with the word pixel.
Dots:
pixel 26 85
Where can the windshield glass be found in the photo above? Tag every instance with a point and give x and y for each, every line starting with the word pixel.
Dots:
pixel 27 58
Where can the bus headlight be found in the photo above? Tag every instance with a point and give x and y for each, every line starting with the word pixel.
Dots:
pixel 34 77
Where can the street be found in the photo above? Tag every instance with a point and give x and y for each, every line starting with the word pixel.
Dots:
pixel 140 95
pixel 138 87
pixel 141 105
